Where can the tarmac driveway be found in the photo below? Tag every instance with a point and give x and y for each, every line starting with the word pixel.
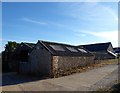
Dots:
pixel 86 81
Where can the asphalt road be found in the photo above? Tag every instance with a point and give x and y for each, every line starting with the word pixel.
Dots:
pixel 87 81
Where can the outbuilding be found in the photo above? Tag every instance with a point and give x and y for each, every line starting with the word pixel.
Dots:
pixel 53 59
pixel 102 51
pixel 21 57
pixel 117 51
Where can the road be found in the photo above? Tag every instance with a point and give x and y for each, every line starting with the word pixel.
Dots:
pixel 87 81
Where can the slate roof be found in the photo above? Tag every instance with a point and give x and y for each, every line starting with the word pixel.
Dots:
pixel 31 45
pixel 97 47
pixel 117 49
pixel 59 49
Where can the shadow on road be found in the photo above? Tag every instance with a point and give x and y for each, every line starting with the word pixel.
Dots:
pixel 17 79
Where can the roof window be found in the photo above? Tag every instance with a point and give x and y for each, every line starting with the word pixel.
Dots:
pixel 72 49
pixel 57 47
pixel 82 50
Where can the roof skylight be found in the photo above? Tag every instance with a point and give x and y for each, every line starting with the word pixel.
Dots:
pixel 57 47
pixel 72 49
pixel 82 50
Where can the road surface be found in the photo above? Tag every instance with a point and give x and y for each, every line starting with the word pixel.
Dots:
pixel 87 81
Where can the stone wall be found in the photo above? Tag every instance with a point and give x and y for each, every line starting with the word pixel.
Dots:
pixel 65 63
pixel 54 66
pixel 106 60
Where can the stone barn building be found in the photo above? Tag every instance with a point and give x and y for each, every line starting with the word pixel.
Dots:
pixel 53 59
pixel 117 51
pixel 21 56
pixel 102 51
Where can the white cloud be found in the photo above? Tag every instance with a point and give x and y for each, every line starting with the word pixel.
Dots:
pixel 111 12
pixel 93 12
pixel 51 23
pixel 33 21
pixel 1 39
pixel 104 36
pixel 108 35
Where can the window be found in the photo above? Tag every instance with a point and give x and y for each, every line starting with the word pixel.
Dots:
pixel 82 50
pixel 72 49
pixel 57 47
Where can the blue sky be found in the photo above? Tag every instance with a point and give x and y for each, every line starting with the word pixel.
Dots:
pixel 72 23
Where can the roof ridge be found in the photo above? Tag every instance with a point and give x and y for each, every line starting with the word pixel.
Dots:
pixel 96 44
pixel 27 43
pixel 45 46
pixel 56 43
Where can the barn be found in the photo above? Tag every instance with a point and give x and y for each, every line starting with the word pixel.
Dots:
pixel 117 51
pixel 102 51
pixel 53 59
pixel 21 56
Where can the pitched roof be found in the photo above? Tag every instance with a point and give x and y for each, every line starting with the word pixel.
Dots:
pixel 60 49
pixel 97 46
pixel 117 49
pixel 31 45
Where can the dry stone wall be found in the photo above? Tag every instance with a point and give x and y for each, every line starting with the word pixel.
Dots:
pixel 61 64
